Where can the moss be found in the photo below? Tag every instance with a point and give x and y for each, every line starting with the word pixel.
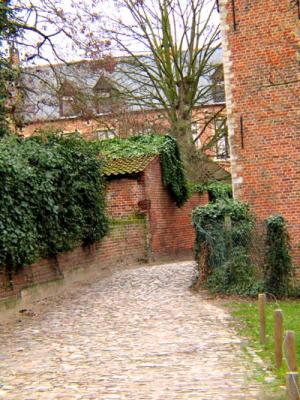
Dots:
pixel 130 220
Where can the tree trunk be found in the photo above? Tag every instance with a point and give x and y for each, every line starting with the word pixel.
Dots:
pixel 198 167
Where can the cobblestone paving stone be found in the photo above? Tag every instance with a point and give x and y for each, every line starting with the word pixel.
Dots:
pixel 140 334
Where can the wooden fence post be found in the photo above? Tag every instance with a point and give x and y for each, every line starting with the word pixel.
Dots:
pixel 292 386
pixel 278 337
pixel 262 318
pixel 290 350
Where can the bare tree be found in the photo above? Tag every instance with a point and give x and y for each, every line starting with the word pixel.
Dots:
pixel 178 40
pixel 48 32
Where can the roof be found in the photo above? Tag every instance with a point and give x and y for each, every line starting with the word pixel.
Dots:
pixel 42 85
pixel 128 165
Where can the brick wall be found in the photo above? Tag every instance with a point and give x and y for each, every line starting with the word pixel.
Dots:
pixel 171 231
pixel 124 245
pixel 124 196
pixel 262 81
pixel 145 224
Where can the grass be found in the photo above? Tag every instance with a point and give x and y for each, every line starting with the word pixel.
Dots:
pixel 247 315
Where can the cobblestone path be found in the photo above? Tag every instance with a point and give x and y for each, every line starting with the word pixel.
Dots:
pixel 140 334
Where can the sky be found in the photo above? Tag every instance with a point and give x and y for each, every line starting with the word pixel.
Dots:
pixel 79 25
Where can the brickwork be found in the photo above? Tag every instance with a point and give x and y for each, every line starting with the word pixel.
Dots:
pixel 145 224
pixel 262 81
pixel 171 231
pixel 126 124
pixel 124 196
pixel 123 246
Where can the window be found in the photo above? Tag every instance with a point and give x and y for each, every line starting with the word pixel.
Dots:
pixel 218 87
pixel 103 93
pixel 66 106
pixel 195 133
pixel 105 134
pixel 67 99
pixel 222 145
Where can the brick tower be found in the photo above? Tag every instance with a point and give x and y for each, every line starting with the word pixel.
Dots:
pixel 261 51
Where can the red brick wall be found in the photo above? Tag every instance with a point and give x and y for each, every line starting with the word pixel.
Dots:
pixel 171 230
pixel 163 226
pixel 263 87
pixel 125 245
pixel 124 196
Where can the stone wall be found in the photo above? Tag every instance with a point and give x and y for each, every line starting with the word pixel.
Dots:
pixel 262 81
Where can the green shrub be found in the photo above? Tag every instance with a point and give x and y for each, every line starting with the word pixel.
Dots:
pixel 294 289
pixel 224 231
pixel 52 198
pixel 210 226
pixel 237 276
pixel 216 190
pixel 278 266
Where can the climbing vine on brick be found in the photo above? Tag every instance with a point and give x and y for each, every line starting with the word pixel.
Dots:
pixel 278 265
pixel 52 198
pixel 164 146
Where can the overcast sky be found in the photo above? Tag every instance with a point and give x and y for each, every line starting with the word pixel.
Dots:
pixel 74 12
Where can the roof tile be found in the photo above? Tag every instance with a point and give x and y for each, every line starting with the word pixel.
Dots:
pixel 128 165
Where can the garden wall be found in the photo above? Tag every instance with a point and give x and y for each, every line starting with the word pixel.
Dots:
pixel 145 225
pixel 170 227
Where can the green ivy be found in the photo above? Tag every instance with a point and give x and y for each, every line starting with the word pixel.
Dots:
pixel 52 198
pixel 164 146
pixel 209 223
pixel 237 276
pixel 216 190
pixel 224 227
pixel 278 266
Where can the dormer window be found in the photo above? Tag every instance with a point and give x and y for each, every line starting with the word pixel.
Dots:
pixel 103 92
pixel 67 100
pixel 67 106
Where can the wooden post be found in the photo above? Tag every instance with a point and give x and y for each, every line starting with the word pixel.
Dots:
pixel 292 386
pixel 290 350
pixel 262 318
pixel 278 337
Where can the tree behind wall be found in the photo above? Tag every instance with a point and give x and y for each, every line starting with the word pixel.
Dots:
pixel 180 40
pixel 38 32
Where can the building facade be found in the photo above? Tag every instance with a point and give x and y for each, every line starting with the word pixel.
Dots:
pixel 261 49
pixel 84 96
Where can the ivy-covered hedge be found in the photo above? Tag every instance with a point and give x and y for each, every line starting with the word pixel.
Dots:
pixel 164 146
pixel 223 240
pixel 278 263
pixel 210 224
pixel 52 198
